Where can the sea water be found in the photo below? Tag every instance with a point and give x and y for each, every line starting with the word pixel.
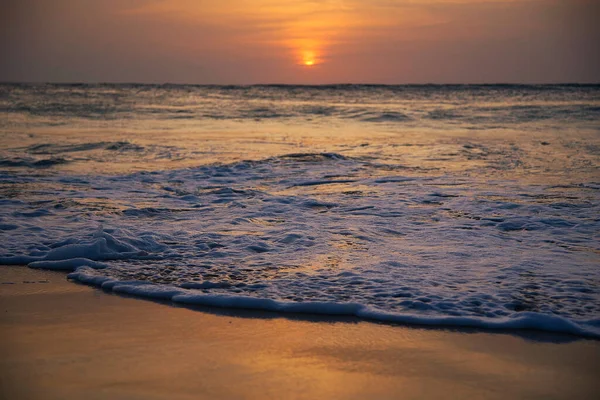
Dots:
pixel 440 205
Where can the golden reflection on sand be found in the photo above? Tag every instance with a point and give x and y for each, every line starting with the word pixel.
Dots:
pixel 71 341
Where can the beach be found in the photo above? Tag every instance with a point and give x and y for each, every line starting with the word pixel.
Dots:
pixel 62 340
pixel 302 242
pixel 332 199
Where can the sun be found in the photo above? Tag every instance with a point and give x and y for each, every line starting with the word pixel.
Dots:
pixel 309 58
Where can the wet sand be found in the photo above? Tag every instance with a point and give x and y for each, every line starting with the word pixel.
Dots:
pixel 61 340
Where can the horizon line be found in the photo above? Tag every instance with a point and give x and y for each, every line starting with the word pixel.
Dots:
pixel 166 83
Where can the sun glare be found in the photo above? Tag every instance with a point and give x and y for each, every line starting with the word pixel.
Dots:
pixel 309 58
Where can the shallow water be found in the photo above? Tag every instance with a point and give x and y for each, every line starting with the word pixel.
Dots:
pixel 454 205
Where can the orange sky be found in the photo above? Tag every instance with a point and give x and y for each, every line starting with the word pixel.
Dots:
pixel 300 41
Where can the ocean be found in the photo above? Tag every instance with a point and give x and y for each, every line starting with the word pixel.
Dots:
pixel 444 205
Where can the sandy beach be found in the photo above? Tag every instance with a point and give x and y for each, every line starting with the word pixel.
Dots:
pixel 333 199
pixel 62 340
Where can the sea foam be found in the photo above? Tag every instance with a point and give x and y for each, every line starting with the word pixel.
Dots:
pixel 322 233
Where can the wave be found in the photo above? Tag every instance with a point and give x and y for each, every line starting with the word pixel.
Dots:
pixel 80 258
pixel 526 320
pixel 32 157
pixel 52 148
pixel 414 105
pixel 27 162
pixel 386 116
pixel 320 233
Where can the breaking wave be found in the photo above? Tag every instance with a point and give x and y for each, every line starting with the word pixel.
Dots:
pixel 321 233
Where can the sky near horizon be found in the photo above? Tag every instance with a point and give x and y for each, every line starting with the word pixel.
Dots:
pixel 300 41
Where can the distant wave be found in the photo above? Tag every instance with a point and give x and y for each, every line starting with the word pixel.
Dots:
pixel 386 116
pixel 498 105
pixel 32 163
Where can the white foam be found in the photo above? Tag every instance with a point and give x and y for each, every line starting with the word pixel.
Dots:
pixel 72 253
pixel 323 234
pixel 525 320
pixel 69 264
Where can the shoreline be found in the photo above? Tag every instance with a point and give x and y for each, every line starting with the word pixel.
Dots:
pixel 65 340
pixel 527 322
pixel 220 305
